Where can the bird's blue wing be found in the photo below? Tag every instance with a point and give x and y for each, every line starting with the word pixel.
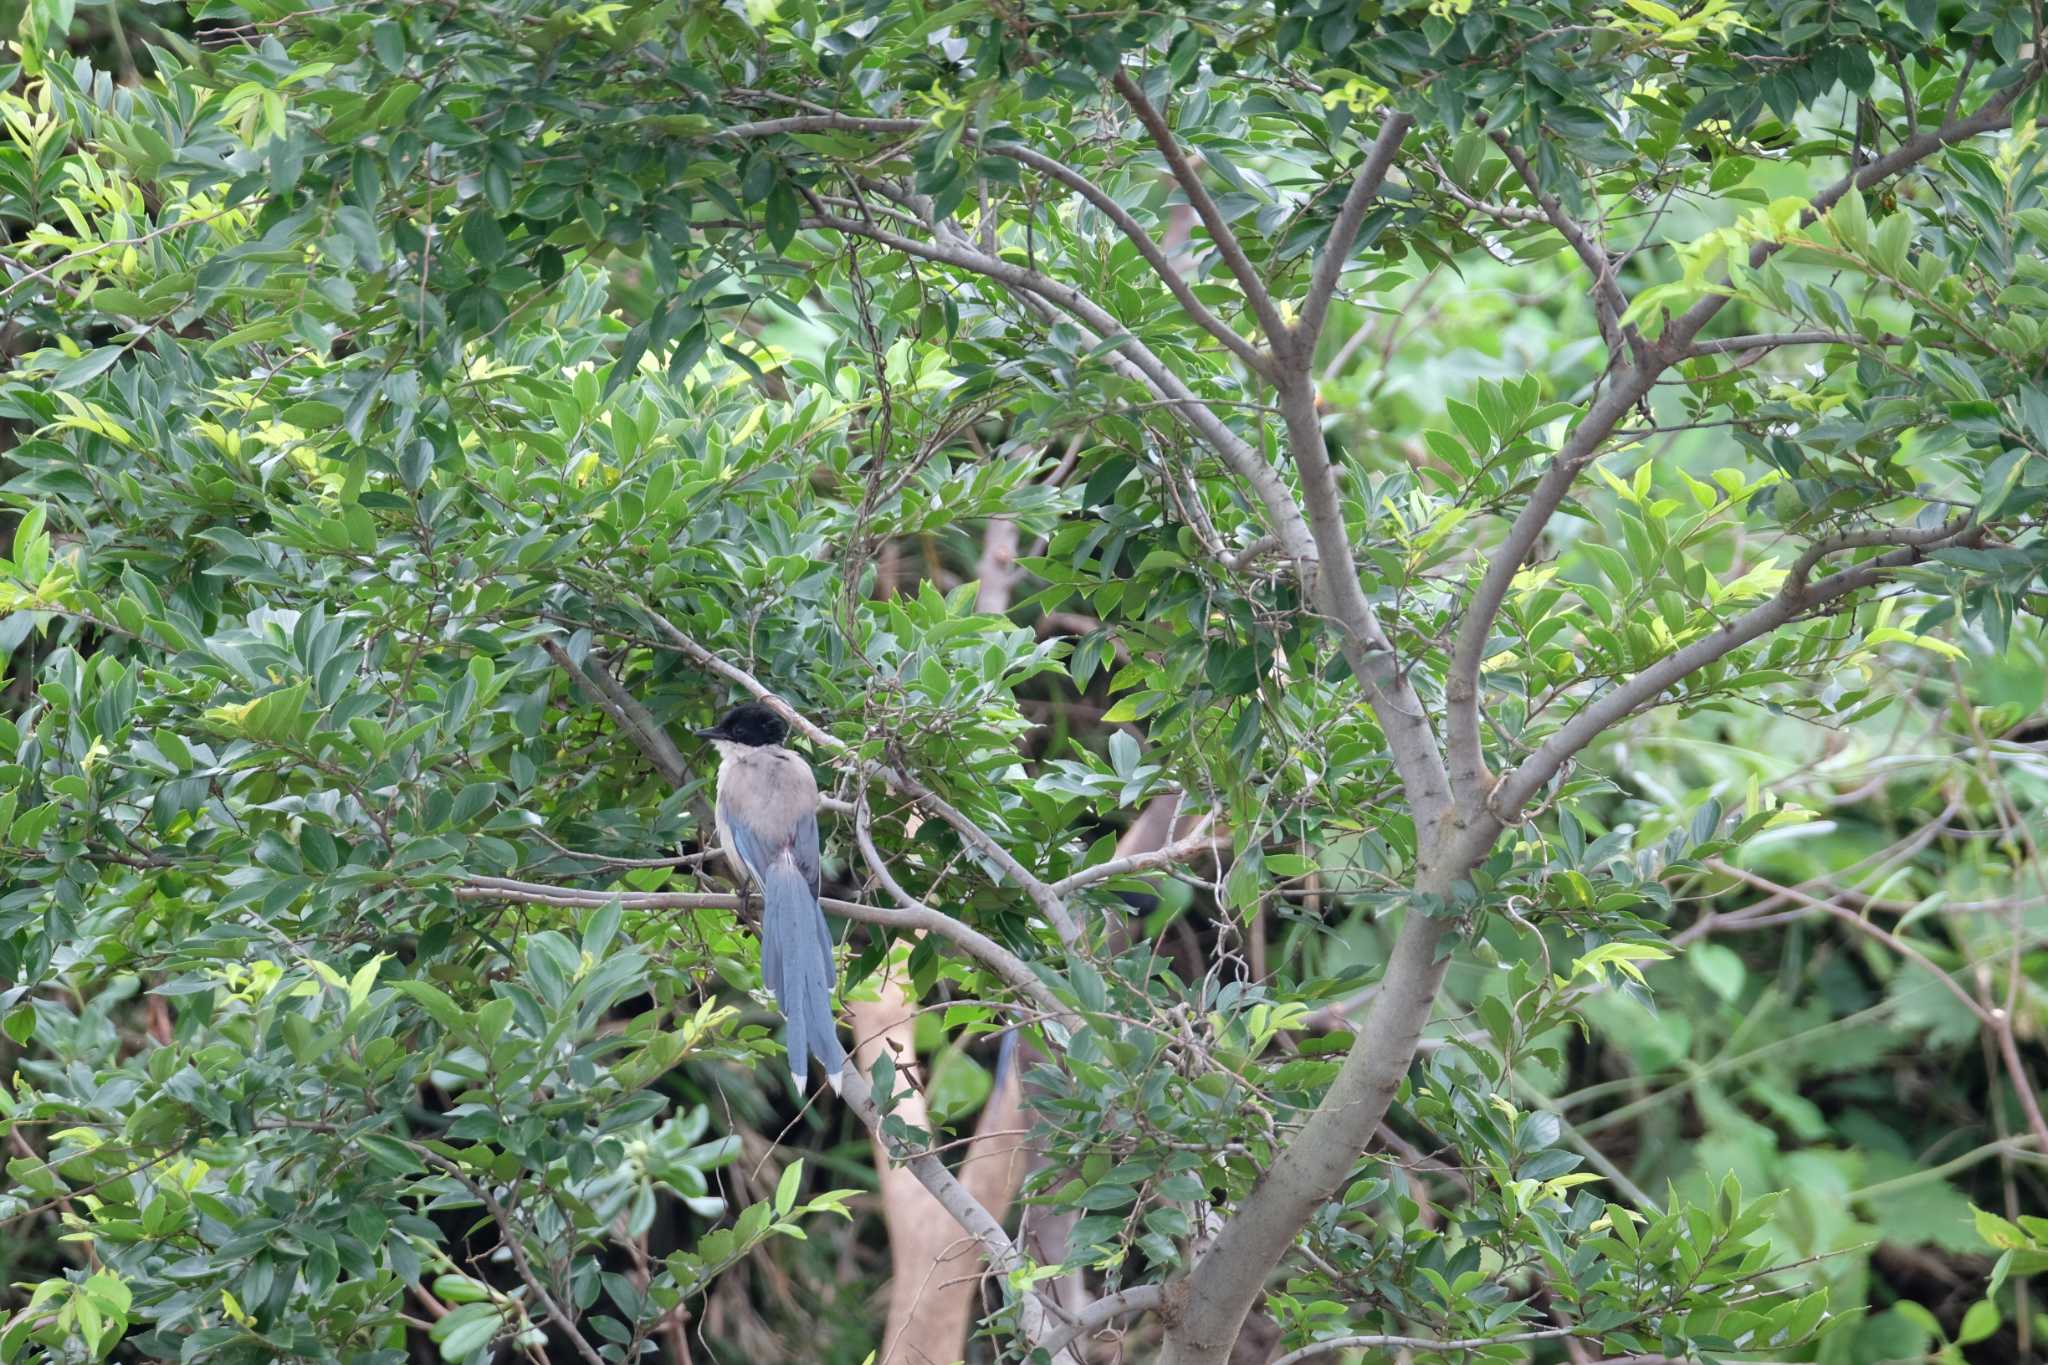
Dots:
pixel 755 847
pixel 804 844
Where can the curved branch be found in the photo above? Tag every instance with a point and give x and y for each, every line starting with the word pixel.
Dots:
pixel 1872 538
pixel 1125 1303
pixel 1146 247
pixel 1608 302
pixel 1146 367
pixel 992 954
pixel 1461 687
pixel 1461 693
pixel 1996 1021
pixel 1862 926
pixel 1996 114
pixel 1411 740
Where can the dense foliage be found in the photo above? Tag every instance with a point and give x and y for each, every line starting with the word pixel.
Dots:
pixel 1543 498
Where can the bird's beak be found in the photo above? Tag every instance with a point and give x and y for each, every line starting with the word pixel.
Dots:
pixel 712 733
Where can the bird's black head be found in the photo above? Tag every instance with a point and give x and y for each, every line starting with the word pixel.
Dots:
pixel 749 723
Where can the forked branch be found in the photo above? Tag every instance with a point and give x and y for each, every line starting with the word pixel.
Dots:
pixel 1364 192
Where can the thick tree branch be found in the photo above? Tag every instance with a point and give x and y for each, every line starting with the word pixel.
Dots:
pixel 1365 190
pixel 1309 1169
pixel 1411 741
pixel 1214 1298
pixel 1125 1303
pixel 1220 231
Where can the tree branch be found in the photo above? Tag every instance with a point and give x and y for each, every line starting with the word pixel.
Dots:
pixel 1861 926
pixel 515 1246
pixel 933 1270
pixel 1003 1256
pixel 1411 741
pixel 1365 189
pixel 1146 367
pixel 1468 769
pixel 1331 1345
pixel 1321 540
pixel 1764 341
pixel 1794 600
pixel 1143 1298
pixel 1197 311
pixel 1995 1021
pixel 913 916
pixel 1469 775
pixel 1608 302
pixel 1043 896
pixel 626 712
pixel 1221 1288
pixel 1513 215
pixel 1996 114
pixel 1180 850
pixel 1872 538
pixel 1205 207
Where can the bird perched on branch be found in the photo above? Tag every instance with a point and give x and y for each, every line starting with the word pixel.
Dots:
pixel 767 817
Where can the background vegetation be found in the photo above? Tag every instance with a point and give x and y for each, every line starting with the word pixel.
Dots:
pixel 421 415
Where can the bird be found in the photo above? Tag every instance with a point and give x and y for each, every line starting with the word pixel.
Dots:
pixel 767 819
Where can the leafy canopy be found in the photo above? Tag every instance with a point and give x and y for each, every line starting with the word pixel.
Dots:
pixel 388 379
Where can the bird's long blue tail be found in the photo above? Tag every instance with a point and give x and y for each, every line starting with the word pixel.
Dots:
pixel 796 964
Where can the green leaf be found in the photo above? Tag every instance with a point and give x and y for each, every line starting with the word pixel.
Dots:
pixel 436 1002
pixel 1980 1322
pixel 1719 968
pixel 89 366
pixel 467 1330
pixel 484 238
pixel 20 1024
